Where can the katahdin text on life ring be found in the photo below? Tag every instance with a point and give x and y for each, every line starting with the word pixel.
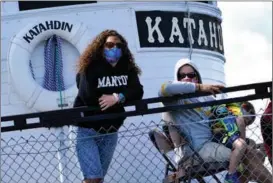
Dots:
pixel 21 48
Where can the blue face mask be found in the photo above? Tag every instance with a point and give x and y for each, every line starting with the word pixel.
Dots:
pixel 112 55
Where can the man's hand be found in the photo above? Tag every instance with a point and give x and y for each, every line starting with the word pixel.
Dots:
pixel 107 101
pixel 213 89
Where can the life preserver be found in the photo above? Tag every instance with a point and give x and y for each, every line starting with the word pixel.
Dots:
pixel 23 44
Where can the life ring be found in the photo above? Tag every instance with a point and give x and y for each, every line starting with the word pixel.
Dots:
pixel 23 44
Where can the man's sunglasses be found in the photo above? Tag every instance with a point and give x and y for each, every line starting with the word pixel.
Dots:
pixel 189 75
pixel 111 45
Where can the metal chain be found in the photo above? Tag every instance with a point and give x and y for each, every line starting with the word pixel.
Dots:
pixel 189 32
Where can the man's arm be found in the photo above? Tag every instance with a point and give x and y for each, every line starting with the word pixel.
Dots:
pixel 173 88
pixel 179 87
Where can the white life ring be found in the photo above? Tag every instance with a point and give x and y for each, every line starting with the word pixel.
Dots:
pixel 23 44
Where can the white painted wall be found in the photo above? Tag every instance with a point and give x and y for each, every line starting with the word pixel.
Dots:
pixel 98 18
pixel 157 66
pixel 8 7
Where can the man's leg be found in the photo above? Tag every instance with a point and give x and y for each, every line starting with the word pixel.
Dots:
pixel 179 141
pixel 176 137
pixel 163 143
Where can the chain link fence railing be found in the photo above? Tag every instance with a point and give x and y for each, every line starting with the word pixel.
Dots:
pixel 49 155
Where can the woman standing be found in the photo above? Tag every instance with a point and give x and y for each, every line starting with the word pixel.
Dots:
pixel 107 77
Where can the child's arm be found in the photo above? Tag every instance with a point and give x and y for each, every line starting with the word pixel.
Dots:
pixel 218 130
pixel 242 127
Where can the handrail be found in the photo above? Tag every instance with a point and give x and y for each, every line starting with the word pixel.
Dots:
pixel 58 118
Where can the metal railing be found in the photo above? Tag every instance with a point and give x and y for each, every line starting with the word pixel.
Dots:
pixel 48 154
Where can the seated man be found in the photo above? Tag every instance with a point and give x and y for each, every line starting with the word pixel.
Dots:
pixel 194 122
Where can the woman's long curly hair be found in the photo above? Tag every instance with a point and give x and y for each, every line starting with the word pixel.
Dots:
pixel 94 52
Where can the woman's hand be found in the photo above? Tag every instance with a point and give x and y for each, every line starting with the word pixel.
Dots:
pixel 107 101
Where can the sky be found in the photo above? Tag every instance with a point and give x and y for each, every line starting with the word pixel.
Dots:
pixel 247 35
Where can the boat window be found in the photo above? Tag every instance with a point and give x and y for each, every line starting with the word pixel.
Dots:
pixel 30 5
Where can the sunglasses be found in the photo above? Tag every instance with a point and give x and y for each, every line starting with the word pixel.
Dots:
pixel 111 45
pixel 189 75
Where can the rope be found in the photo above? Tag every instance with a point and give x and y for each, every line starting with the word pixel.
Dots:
pixel 53 77
pixel 59 71
pixel 49 78
pixel 189 32
pixel 59 68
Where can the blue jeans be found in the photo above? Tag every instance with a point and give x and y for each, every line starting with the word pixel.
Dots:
pixel 94 151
